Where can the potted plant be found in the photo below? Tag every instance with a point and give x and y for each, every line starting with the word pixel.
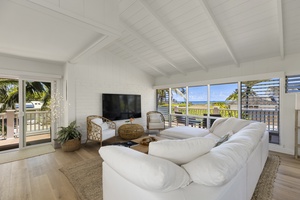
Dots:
pixel 69 137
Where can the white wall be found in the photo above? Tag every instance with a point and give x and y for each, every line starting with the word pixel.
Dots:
pixel 273 67
pixel 20 66
pixel 105 73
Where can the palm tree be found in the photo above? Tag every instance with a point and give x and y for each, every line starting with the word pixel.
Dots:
pixel 9 92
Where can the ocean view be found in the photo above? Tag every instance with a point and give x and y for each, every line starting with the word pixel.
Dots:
pixel 202 102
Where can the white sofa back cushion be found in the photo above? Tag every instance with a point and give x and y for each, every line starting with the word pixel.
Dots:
pixel 145 171
pixel 181 151
pixel 223 125
pixel 222 163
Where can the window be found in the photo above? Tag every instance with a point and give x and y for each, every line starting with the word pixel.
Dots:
pixel 179 101
pixel 224 99
pixel 198 104
pixel 162 97
pixel 292 84
pixel 260 102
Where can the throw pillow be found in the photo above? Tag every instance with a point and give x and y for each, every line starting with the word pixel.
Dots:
pixel 224 138
pixel 181 151
pixel 155 118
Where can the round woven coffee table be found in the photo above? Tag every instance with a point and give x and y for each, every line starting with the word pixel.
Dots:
pixel 130 131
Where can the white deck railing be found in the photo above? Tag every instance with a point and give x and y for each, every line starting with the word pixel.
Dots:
pixel 38 122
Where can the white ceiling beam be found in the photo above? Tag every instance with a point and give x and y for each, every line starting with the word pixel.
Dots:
pixel 138 56
pixel 150 46
pixel 217 28
pixel 280 28
pixel 96 46
pixel 164 25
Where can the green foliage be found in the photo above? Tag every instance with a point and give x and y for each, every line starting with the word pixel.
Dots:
pixel 5 129
pixel 221 105
pixel 68 133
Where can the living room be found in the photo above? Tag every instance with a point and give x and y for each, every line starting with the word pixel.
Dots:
pixel 103 70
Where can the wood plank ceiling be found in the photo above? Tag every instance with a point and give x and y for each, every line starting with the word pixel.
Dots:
pixel 167 37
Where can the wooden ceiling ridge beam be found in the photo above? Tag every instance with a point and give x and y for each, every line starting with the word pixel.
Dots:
pixel 138 56
pixel 150 46
pixel 217 27
pixel 165 26
pixel 280 28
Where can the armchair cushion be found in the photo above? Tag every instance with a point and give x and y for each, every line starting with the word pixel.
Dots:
pixel 156 125
pixel 155 118
pixel 108 133
pixel 97 121
pixel 104 126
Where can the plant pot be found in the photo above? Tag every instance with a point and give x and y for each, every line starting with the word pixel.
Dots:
pixel 71 145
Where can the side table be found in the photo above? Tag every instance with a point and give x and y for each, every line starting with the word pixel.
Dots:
pixel 130 131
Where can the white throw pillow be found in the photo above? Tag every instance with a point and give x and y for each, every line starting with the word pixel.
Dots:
pixel 224 138
pixel 181 151
pixel 155 118
pixel 145 171
pixel 221 127
pixel 97 121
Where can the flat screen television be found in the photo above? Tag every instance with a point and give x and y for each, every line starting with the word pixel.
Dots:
pixel 121 106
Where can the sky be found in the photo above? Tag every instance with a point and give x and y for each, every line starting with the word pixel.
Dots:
pixel 217 92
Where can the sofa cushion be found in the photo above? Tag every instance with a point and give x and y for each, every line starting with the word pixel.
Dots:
pixel 183 132
pixel 212 136
pixel 218 166
pixel 224 138
pixel 181 151
pixel 222 163
pixel 222 125
pixel 145 171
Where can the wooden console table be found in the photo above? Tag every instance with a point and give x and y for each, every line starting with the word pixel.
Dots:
pixel 130 131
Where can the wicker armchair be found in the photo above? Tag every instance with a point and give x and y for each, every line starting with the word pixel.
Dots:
pixel 155 121
pixel 100 128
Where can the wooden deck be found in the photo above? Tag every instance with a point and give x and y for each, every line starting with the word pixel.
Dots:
pixel 12 143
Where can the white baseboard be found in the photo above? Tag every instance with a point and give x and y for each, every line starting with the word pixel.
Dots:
pixel 281 149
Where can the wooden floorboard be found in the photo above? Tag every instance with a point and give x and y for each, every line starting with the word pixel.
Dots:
pixel 287 182
pixel 39 177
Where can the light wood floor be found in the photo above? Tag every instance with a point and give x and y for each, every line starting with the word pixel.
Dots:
pixel 39 177
pixel 287 183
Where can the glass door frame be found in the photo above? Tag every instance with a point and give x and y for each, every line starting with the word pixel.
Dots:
pixel 55 83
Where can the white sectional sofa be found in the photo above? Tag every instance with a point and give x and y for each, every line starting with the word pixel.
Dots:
pixel 229 171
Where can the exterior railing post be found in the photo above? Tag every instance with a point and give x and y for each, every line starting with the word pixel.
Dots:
pixel 10 123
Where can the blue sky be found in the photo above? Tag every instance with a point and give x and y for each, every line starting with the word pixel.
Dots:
pixel 218 92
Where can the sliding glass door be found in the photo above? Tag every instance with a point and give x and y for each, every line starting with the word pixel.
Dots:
pixel 25 117
pixel 37 114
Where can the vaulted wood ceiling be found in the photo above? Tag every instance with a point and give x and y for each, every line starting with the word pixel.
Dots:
pixel 164 37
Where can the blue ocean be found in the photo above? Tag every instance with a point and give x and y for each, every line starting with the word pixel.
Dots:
pixel 203 102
